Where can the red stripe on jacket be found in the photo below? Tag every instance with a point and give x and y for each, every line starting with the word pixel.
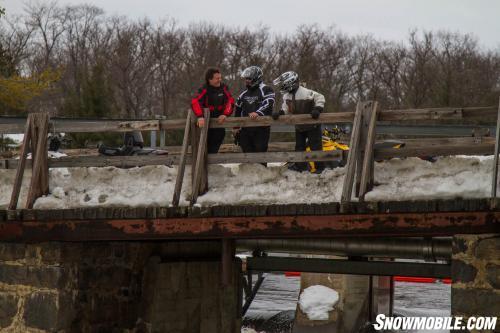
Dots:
pixel 195 103
pixel 228 108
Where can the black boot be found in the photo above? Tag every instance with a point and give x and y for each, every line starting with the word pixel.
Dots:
pixel 297 167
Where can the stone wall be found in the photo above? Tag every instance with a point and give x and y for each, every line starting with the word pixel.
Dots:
pixel 116 287
pixel 476 276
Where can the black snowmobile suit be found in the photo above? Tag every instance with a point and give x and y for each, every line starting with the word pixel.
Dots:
pixel 259 99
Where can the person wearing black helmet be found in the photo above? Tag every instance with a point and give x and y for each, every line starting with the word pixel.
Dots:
pixel 300 100
pixel 257 100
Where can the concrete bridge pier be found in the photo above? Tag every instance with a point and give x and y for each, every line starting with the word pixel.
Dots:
pixel 117 287
pixel 361 299
pixel 476 276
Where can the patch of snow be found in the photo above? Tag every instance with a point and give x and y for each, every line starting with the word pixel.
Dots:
pixel 50 154
pixel 396 179
pixel 112 187
pixel 316 301
pixel 448 177
pixel 18 138
pixel 56 154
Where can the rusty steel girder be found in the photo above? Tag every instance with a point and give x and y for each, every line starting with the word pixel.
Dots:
pixel 325 226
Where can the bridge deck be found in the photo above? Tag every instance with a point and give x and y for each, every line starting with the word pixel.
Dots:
pixel 397 218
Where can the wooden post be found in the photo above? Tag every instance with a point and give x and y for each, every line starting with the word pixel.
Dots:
pixel 162 138
pixel 368 164
pixel 22 163
pixel 40 166
pixel 195 138
pixel 152 136
pixel 351 158
pixel 200 159
pixel 182 163
pixel 367 108
pixel 495 161
pixel 228 251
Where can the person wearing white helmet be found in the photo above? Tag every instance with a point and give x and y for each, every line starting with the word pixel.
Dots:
pixel 300 100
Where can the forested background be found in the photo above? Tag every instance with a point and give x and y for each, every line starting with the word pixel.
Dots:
pixel 76 61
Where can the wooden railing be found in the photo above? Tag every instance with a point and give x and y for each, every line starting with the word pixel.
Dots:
pixel 359 169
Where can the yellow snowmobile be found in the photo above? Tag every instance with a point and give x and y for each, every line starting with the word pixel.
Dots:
pixel 331 141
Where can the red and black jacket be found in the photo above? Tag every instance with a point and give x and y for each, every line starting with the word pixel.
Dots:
pixel 217 99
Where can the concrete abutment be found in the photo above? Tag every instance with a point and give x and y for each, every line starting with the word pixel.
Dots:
pixel 117 287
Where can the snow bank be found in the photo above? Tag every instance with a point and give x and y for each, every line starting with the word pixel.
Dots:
pixel 111 187
pixel 396 179
pixel 448 177
pixel 316 301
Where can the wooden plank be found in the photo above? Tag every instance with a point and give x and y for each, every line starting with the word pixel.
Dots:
pixel 437 142
pixel 469 115
pixel 231 122
pixel 472 149
pixel 35 191
pixel 182 162
pixel 351 157
pixel 200 160
pixel 14 198
pixel 143 125
pixel 133 161
pixel 368 161
pixel 274 157
pixel 497 151
pixel 421 114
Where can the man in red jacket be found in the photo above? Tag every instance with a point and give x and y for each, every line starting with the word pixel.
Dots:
pixel 214 95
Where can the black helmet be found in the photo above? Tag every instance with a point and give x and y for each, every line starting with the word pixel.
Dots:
pixel 287 82
pixel 254 74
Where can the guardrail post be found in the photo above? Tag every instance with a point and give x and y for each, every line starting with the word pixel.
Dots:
pixel 182 163
pixel 35 136
pixel 367 166
pixel 353 153
pixel 200 175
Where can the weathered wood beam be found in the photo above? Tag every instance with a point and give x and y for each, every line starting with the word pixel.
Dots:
pixel 351 164
pixel 16 189
pixel 182 163
pixel 366 181
pixel 200 167
pixel 132 161
pixel 468 115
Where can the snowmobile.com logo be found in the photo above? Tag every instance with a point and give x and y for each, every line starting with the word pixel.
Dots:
pixel 434 323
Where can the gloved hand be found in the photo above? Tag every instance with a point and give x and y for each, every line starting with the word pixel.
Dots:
pixel 275 115
pixel 316 112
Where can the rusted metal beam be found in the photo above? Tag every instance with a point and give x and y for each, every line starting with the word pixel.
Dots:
pixel 338 266
pixel 326 226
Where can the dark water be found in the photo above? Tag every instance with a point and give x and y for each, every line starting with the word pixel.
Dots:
pixel 275 303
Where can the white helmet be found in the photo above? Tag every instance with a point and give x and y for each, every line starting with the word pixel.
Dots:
pixel 287 82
